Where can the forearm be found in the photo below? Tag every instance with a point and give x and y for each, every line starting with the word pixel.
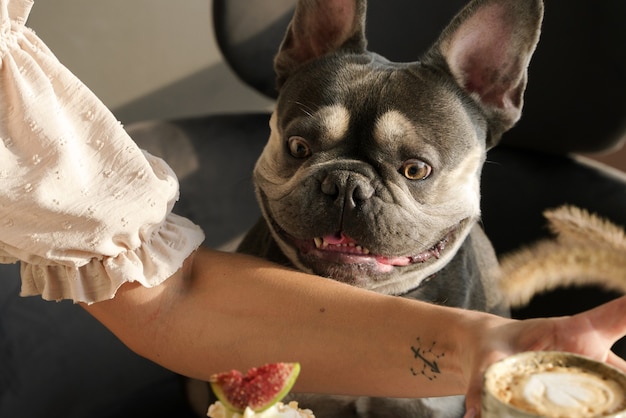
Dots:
pixel 233 311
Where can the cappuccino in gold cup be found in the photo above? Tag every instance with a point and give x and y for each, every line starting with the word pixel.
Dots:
pixel 553 385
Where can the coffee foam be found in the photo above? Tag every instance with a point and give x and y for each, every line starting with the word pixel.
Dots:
pixel 562 392
pixel 557 385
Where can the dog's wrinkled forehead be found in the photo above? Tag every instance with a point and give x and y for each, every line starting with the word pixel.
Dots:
pixel 366 96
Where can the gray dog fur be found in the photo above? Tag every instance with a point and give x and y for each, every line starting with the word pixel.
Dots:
pixel 371 174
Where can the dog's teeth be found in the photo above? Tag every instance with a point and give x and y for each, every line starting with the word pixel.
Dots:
pixel 321 243
pixel 362 250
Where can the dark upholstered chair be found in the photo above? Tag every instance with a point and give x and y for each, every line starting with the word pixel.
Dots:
pixel 56 361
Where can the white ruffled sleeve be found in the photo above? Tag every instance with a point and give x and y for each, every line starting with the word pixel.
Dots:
pixel 81 206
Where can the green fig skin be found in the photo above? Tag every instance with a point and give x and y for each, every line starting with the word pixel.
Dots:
pixel 259 389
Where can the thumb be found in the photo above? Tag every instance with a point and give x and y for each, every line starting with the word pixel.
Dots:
pixel 473 396
pixel 471 413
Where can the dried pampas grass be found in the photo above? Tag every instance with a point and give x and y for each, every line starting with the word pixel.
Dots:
pixel 586 250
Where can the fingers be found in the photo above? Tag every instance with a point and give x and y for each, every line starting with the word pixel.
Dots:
pixel 609 319
pixel 473 397
pixel 616 361
pixel 603 325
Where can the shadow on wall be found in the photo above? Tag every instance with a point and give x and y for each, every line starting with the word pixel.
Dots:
pixel 212 90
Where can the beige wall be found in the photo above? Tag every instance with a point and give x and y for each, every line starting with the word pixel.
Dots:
pixel 144 58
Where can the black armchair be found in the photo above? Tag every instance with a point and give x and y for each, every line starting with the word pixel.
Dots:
pixel 575 103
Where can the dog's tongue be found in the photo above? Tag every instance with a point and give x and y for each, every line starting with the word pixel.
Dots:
pixel 394 261
pixel 342 239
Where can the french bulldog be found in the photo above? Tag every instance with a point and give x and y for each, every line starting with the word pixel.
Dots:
pixel 371 175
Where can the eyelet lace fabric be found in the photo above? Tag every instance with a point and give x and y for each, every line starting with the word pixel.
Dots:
pixel 81 206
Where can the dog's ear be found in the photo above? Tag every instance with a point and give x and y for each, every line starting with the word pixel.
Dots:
pixel 320 27
pixel 487 47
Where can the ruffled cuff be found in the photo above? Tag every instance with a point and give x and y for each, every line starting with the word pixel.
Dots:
pixel 154 261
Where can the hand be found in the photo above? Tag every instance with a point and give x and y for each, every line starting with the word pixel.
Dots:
pixel 591 333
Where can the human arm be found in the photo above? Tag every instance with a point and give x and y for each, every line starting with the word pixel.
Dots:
pixel 233 311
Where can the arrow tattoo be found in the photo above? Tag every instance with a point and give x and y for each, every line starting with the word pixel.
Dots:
pixel 430 368
pixel 432 364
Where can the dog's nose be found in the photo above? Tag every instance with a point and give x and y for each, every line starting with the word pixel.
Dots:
pixel 348 189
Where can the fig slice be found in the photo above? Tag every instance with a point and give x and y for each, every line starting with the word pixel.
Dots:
pixel 259 389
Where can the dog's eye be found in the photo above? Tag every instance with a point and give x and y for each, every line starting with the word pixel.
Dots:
pixel 415 169
pixel 298 147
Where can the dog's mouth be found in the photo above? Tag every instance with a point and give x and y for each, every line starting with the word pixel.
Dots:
pixel 346 250
pixel 340 249
pixel 346 258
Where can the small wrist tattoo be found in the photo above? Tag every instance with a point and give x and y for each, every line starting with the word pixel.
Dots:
pixel 426 360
